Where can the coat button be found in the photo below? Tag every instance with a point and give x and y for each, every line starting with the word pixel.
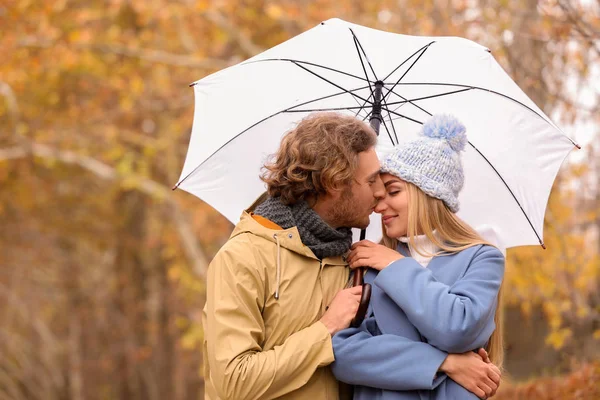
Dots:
pixel 290 235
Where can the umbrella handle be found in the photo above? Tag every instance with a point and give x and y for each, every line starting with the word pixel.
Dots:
pixel 364 298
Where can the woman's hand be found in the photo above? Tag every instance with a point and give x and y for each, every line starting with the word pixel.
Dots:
pixel 471 371
pixel 368 254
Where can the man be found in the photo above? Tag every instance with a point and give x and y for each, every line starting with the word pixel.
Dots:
pixel 275 290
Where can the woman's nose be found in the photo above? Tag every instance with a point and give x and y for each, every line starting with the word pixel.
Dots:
pixel 381 206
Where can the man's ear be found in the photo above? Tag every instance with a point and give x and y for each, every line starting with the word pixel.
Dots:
pixel 334 193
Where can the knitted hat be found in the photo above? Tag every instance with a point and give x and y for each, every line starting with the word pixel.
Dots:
pixel 432 162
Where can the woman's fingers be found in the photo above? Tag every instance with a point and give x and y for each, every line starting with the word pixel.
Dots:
pixel 477 392
pixel 362 243
pixel 362 262
pixel 358 254
pixel 487 391
pixel 494 374
pixel 369 254
pixel 491 384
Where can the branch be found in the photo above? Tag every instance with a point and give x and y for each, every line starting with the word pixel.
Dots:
pixel 49 340
pixel 190 245
pixel 147 186
pixel 11 100
pixel 157 56
pixel 581 26
pixel 517 64
pixel 247 45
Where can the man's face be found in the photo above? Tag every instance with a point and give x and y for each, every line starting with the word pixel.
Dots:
pixel 355 204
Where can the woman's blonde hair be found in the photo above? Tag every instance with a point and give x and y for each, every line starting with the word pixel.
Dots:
pixel 427 214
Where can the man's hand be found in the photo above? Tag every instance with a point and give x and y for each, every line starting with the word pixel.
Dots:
pixel 471 372
pixel 342 309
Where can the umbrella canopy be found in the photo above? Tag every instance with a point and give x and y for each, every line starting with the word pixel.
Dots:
pixel 241 113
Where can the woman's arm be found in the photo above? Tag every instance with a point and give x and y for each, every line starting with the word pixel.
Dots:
pixel 394 362
pixel 385 361
pixel 455 318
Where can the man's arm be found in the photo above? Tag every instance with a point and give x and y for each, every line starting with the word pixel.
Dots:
pixel 239 367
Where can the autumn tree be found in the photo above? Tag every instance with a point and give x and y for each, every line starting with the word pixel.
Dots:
pixel 102 265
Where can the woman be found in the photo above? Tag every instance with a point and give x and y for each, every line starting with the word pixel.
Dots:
pixel 435 280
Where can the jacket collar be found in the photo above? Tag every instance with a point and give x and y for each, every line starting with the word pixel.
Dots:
pixel 288 238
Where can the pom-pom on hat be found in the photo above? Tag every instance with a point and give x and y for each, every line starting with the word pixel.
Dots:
pixel 432 162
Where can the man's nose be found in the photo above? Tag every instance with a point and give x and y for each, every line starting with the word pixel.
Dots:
pixel 379 189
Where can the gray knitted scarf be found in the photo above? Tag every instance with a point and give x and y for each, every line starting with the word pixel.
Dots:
pixel 322 239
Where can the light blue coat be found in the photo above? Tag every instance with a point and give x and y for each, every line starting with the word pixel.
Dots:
pixel 416 317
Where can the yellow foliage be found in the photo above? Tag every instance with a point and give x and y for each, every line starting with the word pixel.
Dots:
pixel 192 338
pixel 582 312
pixel 561 279
pixel 580 384
pixel 558 338
pixel 174 272
pixel 274 11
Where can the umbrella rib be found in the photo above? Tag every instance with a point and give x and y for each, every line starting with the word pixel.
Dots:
pixel 489 91
pixel 253 125
pixel 397 118
pixel 467 88
pixel 357 45
pixel 311 64
pixel 410 101
pixel 405 61
pixel 400 115
pixel 331 83
pixel 362 106
pixel 407 71
pixel 388 131
pixel 406 101
pixel 327 97
pixel 324 109
pixel 400 106
pixel 365 103
pixel 510 191
pixel 362 63
pixel 391 123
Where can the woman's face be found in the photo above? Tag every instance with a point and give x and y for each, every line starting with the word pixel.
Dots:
pixel 394 206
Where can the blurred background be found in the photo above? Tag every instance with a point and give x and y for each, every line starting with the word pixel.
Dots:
pixel 102 266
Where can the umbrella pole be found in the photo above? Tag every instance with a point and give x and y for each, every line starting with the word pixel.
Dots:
pixel 375 120
pixel 359 273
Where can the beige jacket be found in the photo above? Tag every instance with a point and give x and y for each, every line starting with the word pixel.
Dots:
pixel 260 347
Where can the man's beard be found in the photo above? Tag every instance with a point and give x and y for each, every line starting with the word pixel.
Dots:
pixel 346 212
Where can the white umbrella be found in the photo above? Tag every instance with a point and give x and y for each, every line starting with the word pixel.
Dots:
pixel 514 151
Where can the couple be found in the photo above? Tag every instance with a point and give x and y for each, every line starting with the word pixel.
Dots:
pixel 278 309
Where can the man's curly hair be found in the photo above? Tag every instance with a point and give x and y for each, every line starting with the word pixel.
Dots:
pixel 319 155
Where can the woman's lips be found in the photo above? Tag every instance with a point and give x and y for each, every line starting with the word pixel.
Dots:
pixel 388 218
